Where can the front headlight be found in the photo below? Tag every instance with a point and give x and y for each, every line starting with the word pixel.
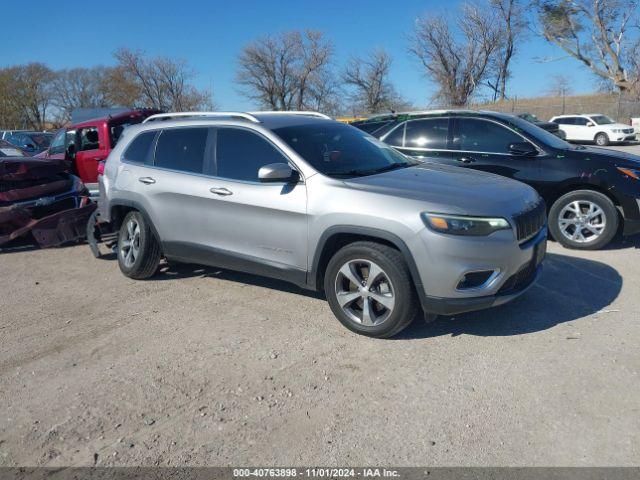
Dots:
pixel 630 172
pixel 616 130
pixel 459 225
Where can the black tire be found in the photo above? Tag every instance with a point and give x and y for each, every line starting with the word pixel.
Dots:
pixel 395 268
pixel 610 213
pixel 146 263
pixel 602 139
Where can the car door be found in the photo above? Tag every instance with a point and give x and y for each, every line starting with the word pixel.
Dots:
pixel 425 139
pixel 260 223
pixel 567 125
pixel 172 187
pixel 583 129
pixel 91 149
pixel 483 144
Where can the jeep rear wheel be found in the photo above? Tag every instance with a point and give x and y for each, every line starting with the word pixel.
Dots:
pixel 138 249
pixel 369 289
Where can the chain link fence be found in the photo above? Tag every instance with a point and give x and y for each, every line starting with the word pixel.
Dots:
pixel 619 107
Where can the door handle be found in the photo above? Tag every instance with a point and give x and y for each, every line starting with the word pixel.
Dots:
pixel 466 160
pixel 221 191
pixel 146 180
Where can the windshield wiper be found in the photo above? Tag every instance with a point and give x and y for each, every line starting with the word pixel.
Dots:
pixel 372 171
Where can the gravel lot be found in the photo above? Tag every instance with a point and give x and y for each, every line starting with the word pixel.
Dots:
pixel 205 367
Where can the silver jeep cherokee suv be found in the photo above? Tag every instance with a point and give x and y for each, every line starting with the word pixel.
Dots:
pixel 299 197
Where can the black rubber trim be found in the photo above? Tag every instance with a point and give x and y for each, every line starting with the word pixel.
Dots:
pixel 369 232
pixel 137 206
pixel 185 252
pixel 454 306
pixel 631 227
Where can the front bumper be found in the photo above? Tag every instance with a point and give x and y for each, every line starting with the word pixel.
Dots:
pixel 624 137
pixel 449 258
pixel 454 306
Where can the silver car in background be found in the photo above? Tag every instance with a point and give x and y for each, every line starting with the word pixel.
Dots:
pixel 299 197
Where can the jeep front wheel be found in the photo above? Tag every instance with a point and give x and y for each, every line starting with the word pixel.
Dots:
pixel 369 289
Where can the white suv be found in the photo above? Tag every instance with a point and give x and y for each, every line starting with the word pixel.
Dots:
pixel 594 127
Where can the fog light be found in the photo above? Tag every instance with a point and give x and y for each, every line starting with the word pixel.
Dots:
pixel 476 279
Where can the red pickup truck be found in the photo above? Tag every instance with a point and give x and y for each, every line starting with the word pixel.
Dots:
pixel 88 143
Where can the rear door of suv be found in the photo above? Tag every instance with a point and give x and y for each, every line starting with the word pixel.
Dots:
pixel 422 138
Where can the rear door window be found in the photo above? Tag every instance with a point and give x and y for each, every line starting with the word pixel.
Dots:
pixel 429 133
pixel 483 136
pixel 241 153
pixel 182 149
pixel 139 150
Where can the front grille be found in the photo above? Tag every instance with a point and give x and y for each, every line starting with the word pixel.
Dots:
pixel 627 130
pixel 531 221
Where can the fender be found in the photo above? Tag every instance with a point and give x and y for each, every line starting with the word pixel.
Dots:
pixel 312 275
pixel 136 206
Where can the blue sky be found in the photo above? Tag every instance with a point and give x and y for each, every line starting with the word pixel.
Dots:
pixel 209 35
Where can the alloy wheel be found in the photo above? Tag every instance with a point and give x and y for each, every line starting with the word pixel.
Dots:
pixel 130 245
pixel 364 292
pixel 582 221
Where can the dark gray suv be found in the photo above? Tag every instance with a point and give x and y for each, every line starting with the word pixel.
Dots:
pixel 299 197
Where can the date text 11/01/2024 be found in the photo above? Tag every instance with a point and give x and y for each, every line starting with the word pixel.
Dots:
pixel 315 472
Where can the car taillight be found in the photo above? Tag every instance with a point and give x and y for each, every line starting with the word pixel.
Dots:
pixel 100 168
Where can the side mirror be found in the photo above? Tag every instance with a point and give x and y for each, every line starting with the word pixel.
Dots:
pixel 523 149
pixel 278 172
pixel 591 124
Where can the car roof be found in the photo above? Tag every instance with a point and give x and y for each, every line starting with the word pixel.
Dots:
pixel 416 115
pixel 117 117
pixel 267 120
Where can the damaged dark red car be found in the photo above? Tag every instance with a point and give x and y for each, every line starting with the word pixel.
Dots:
pixel 41 201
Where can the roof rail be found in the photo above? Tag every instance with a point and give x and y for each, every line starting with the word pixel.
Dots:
pixel 293 112
pixel 169 116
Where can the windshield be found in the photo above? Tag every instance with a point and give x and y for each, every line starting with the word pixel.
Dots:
pixel 342 151
pixel 41 140
pixel 529 117
pixel 540 134
pixel 602 120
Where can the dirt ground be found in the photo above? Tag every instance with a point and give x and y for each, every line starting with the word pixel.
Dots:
pixel 207 367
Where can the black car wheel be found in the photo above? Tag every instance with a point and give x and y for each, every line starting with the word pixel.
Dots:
pixel 369 289
pixel 583 220
pixel 602 139
pixel 138 249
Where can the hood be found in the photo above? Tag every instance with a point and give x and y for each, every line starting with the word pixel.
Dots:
pixel 455 190
pixel 620 126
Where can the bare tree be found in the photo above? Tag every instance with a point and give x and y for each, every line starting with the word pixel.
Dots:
pixel 25 95
pixel 285 71
pixel 560 86
pixel 512 29
pixel 159 82
pixel 458 62
pixel 80 88
pixel 593 32
pixel 368 77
